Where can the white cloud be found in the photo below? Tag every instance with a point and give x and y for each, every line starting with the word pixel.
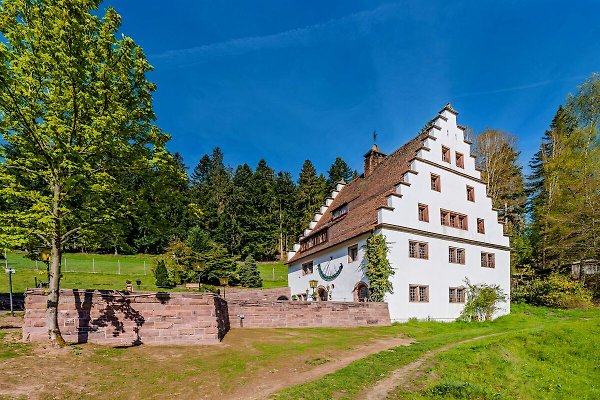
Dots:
pixel 351 24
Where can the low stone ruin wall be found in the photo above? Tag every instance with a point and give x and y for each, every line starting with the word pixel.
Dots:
pixel 303 314
pixel 258 294
pixel 118 318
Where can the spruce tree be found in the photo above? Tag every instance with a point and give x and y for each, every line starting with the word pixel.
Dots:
pixel 339 171
pixel 285 194
pixel 249 274
pixel 310 195
pixel 263 235
pixel 161 276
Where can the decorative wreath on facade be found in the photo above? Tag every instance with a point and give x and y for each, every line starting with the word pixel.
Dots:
pixel 330 272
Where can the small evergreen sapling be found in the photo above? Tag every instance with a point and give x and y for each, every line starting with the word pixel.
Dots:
pixel 161 275
pixel 249 275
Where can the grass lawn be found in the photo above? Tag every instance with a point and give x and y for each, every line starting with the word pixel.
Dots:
pixel 105 271
pixel 538 353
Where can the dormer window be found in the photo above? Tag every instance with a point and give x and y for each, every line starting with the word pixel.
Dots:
pixel 341 210
pixel 313 240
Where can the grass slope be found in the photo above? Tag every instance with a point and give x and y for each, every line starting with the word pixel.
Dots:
pixel 541 353
pixel 78 272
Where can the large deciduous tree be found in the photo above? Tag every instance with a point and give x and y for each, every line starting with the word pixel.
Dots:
pixel 497 158
pixel 76 120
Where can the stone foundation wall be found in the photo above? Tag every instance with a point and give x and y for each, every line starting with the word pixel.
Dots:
pixel 302 314
pixel 118 318
pixel 257 294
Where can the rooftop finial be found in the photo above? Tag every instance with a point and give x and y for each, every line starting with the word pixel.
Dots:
pixel 375 137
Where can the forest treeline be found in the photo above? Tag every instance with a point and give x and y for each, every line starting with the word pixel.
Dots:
pixel 247 210
pixel 551 214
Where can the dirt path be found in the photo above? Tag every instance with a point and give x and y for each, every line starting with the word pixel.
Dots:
pixel 264 390
pixel 405 375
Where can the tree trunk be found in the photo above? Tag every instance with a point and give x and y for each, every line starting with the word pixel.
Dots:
pixel 54 286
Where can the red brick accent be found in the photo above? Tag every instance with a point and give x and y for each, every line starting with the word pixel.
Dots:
pixel 120 318
pixel 300 314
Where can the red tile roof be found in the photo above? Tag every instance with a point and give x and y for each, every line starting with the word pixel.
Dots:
pixel 364 196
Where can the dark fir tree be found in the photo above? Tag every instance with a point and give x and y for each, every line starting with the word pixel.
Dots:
pixel 339 171
pixel 310 195
pixel 239 211
pixel 285 193
pixel 248 273
pixel 211 187
pixel 161 277
pixel 263 235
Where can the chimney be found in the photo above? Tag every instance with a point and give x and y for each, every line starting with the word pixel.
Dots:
pixel 372 159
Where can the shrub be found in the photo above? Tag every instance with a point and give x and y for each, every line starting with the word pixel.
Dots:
pixel 556 291
pixel 161 276
pixel 592 283
pixel 482 301
pixel 248 273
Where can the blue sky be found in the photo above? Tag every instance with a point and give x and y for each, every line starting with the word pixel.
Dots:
pixel 291 80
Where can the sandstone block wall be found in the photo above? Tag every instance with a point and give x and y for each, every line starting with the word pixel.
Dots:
pixel 117 318
pixel 302 314
pixel 258 294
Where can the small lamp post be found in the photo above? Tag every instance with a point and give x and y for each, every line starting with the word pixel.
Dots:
pixel 224 281
pixel 45 254
pixel 10 271
pixel 313 285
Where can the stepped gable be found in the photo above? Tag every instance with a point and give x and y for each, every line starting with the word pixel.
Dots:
pixel 364 196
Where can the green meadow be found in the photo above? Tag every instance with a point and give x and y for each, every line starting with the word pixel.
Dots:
pixel 106 271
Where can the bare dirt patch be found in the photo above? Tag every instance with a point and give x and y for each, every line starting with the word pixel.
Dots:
pixel 249 364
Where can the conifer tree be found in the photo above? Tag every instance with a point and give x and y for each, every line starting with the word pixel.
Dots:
pixel 249 274
pixel 310 195
pixel 240 210
pixel 161 277
pixel 338 171
pixel 210 190
pixel 263 235
pixel 285 193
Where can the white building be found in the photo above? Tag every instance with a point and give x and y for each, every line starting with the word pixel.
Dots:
pixel 428 200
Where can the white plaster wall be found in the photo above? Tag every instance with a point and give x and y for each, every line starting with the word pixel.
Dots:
pixel 344 284
pixel 440 275
pixel 436 272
